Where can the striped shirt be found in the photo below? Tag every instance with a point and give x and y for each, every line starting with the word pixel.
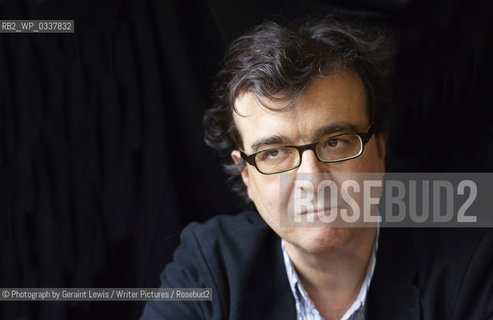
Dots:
pixel 305 308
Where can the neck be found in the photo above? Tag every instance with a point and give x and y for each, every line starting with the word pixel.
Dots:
pixel 335 275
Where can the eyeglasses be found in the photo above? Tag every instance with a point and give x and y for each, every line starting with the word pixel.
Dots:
pixel 335 148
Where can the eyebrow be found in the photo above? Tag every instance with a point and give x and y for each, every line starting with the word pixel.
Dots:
pixel 319 133
pixel 269 141
pixel 334 128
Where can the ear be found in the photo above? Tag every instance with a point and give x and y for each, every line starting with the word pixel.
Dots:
pixel 236 156
pixel 381 141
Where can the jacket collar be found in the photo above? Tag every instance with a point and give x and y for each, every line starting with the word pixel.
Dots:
pixel 393 291
pixel 269 296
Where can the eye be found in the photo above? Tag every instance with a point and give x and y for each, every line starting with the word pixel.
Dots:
pixel 270 155
pixel 339 143
pixel 332 142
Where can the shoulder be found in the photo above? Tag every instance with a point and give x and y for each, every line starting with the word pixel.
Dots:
pixel 226 233
pixel 225 240
pixel 232 255
pixel 446 273
pixel 455 271
pixel 227 225
pixel 429 244
pixel 449 250
pixel 227 248
pixel 458 245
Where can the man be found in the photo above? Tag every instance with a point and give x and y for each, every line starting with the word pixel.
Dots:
pixel 309 98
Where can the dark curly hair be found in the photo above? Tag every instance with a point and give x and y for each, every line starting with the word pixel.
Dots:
pixel 277 62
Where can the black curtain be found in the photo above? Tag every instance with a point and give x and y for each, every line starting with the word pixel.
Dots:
pixel 102 160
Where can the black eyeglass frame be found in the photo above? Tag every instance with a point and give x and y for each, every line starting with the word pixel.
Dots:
pixel 364 136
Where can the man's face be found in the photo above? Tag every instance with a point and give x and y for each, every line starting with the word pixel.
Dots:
pixel 329 101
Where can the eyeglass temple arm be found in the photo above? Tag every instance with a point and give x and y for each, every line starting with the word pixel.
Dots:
pixel 365 136
pixel 248 159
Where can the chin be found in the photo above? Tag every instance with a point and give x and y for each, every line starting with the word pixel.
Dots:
pixel 322 240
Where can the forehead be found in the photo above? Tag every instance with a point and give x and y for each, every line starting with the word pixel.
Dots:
pixel 328 100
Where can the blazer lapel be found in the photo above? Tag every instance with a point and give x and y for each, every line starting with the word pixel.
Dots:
pixel 393 293
pixel 269 295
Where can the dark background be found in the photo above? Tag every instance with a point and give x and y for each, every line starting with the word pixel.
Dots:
pixel 101 155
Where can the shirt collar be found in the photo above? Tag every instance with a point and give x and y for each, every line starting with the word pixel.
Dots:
pixel 304 304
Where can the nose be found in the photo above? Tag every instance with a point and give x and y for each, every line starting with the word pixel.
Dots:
pixel 310 163
pixel 312 171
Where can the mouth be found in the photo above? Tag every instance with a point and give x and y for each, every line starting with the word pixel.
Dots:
pixel 317 211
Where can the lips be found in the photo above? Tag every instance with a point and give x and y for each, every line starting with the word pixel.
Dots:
pixel 317 211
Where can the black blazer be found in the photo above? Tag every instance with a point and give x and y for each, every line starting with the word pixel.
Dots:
pixel 419 273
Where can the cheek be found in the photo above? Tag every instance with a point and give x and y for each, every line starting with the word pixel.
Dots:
pixel 376 159
pixel 370 160
pixel 264 191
